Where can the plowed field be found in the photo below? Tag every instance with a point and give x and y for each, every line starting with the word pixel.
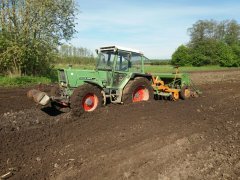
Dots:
pixel 198 138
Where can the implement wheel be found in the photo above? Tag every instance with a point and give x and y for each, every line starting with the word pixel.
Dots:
pixel 137 90
pixel 174 96
pixel 86 98
pixel 185 93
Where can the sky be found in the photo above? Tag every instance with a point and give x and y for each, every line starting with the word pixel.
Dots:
pixel 156 27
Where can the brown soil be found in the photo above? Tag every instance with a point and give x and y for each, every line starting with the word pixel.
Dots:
pixel 192 139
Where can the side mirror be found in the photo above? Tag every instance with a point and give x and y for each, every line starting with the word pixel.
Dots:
pixel 96 50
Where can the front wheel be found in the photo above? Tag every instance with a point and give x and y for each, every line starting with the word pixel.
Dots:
pixel 86 98
pixel 137 90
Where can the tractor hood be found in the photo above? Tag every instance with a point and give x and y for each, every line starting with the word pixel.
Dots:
pixel 76 77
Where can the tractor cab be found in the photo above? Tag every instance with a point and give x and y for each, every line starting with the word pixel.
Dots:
pixel 120 59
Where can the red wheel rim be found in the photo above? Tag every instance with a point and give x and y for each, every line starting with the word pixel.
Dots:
pixel 139 94
pixel 89 102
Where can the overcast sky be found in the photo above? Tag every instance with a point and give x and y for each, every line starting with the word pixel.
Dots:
pixel 156 27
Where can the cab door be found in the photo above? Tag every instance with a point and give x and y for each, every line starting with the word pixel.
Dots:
pixel 121 70
pixel 105 66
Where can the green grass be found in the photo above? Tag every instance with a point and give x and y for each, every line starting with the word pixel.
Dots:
pixel 23 81
pixel 169 68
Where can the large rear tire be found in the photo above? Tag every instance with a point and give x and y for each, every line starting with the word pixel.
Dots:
pixel 137 90
pixel 86 98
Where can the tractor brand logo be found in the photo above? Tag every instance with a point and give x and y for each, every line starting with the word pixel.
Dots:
pixel 86 78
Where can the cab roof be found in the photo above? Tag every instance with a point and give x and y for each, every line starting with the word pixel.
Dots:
pixel 115 48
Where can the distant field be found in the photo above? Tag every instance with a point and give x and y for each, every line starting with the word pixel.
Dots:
pixel 169 68
pixel 158 68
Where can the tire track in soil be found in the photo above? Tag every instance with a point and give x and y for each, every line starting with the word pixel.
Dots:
pixel 197 138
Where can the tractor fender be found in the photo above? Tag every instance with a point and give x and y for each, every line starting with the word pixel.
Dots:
pixel 94 83
pixel 148 76
pixel 135 75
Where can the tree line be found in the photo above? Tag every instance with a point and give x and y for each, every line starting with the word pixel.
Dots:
pixel 211 43
pixel 30 33
pixel 74 55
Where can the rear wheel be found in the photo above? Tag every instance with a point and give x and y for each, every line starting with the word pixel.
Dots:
pixel 137 90
pixel 86 98
pixel 185 93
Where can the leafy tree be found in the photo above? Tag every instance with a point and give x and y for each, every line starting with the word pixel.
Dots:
pixel 232 36
pixel 227 31
pixel 226 56
pixel 199 59
pixel 202 30
pixel 181 56
pixel 236 50
pixel 211 43
pixel 31 30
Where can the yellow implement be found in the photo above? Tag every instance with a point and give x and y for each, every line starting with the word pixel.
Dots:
pixel 161 87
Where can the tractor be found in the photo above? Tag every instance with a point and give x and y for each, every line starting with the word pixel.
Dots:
pixel 119 77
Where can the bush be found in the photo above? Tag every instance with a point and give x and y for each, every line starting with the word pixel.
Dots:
pixel 227 57
pixel 207 52
pixel 21 58
pixel 22 81
pixel 199 59
pixel 181 56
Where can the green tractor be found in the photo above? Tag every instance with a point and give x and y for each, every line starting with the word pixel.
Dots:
pixel 119 77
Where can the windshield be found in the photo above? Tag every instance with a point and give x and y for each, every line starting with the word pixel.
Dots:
pixel 106 60
pixel 136 62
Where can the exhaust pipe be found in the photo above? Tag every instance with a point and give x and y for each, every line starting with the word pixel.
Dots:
pixel 39 97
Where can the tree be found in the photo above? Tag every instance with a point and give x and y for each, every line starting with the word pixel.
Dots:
pixel 232 36
pixel 31 30
pixel 227 31
pixel 211 43
pixel 226 55
pixel 71 51
pixel 202 30
pixel 181 56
